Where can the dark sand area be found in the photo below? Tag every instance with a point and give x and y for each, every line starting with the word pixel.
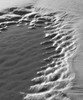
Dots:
pixel 20 59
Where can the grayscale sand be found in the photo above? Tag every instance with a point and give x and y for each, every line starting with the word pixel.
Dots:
pixel 26 49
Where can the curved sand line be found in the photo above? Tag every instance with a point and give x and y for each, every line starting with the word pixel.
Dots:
pixel 44 79
pixel 52 83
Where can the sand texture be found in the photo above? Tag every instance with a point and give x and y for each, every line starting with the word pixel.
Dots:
pixel 41 51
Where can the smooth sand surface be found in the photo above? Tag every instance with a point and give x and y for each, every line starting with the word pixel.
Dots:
pixel 73 6
pixel 11 3
pixel 20 58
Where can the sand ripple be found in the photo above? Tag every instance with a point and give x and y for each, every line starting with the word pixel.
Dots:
pixel 41 42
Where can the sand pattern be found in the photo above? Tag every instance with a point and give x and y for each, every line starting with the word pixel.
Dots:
pixel 43 41
pixel 62 40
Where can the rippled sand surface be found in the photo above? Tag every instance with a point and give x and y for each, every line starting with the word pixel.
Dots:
pixel 35 41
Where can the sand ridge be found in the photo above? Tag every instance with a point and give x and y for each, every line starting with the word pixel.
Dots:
pixel 59 43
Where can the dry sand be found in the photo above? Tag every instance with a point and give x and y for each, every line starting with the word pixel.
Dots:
pixel 21 54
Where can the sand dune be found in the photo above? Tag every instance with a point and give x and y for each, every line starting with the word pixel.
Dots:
pixel 36 42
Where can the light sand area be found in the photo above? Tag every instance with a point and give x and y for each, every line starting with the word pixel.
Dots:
pixel 74 6
pixel 76 65
pixel 11 3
